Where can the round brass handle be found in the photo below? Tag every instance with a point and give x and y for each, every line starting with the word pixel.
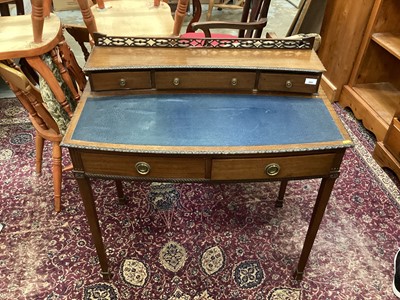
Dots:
pixel 143 168
pixel 176 81
pixel 234 81
pixel 122 82
pixel 289 84
pixel 272 169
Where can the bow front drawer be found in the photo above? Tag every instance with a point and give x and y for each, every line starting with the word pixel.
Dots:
pixel 205 80
pixel 109 81
pixel 124 164
pixel 272 168
pixel 287 82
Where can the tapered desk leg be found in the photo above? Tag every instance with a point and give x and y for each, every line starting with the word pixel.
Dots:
pixel 316 218
pixel 90 209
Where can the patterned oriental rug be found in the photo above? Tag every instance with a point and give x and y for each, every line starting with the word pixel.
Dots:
pixel 194 241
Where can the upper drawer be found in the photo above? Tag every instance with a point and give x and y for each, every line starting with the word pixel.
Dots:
pixel 205 80
pixel 273 167
pixel 392 138
pixel 287 82
pixel 123 164
pixel 120 80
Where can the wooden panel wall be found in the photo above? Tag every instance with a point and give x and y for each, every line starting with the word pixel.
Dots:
pixel 342 31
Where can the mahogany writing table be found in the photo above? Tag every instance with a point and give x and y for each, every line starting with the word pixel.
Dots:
pixel 140 119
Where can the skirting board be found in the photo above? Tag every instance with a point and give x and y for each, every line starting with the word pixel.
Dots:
pixel 329 89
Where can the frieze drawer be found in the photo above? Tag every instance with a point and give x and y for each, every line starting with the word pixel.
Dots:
pixel 205 80
pixel 392 138
pixel 108 81
pixel 272 168
pixel 287 82
pixel 123 164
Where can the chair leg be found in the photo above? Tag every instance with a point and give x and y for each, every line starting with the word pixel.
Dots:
pixel 4 9
pixel 73 67
pixel 210 9
pixel 57 170
pixel 20 7
pixel 39 144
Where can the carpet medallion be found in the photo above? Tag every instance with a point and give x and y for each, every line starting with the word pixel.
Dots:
pixel 194 241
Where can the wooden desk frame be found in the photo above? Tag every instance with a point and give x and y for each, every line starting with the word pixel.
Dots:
pixel 315 160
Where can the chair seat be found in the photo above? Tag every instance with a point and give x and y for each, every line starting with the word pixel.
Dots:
pixel 16 36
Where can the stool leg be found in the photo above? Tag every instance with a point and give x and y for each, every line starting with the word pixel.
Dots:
pixel 180 14
pixel 88 17
pixel 37 20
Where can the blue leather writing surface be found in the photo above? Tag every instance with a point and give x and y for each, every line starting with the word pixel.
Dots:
pixel 205 120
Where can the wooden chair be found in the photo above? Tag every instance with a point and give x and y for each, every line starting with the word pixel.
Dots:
pixel 44 123
pixel 48 54
pixel 47 44
pixel 133 18
pixel 81 36
pixel 251 25
pixel 5 9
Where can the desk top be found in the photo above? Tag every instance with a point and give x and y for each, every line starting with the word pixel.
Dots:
pixel 205 123
pixel 16 36
pixel 120 58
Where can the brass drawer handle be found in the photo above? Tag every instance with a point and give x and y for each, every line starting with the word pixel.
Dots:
pixel 143 168
pixel 234 81
pixel 289 84
pixel 176 81
pixel 272 169
pixel 122 82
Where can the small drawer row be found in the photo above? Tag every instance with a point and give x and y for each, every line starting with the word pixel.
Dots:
pixel 215 80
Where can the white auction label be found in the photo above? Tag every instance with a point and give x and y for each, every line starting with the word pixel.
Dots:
pixel 311 81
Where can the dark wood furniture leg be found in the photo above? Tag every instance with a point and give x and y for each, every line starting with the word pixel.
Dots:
pixel 91 214
pixel 20 7
pixel 120 192
pixel 316 218
pixel 4 9
pixel 281 195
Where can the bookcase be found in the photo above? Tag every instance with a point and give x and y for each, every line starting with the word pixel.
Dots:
pixel 373 91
